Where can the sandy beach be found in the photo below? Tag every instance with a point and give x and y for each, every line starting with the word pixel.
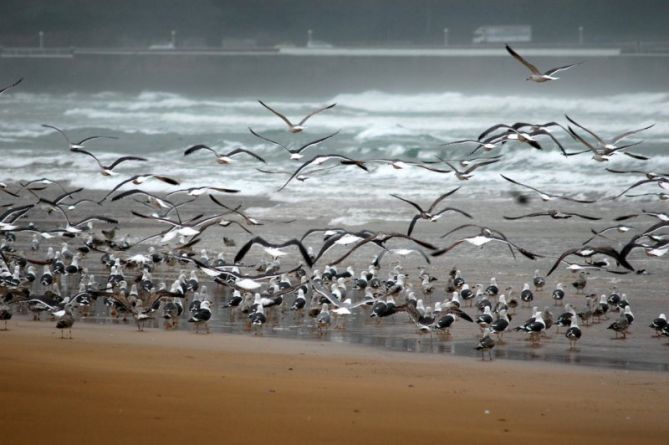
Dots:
pixel 115 385
pixel 112 384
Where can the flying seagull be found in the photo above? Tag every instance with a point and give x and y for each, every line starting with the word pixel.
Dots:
pixel 222 158
pixel 318 160
pixel 273 249
pixel 612 142
pixel 538 76
pixel 76 145
pixel 107 170
pixel 547 196
pixel 589 252
pixel 300 125
pixel 555 214
pixel 430 214
pixel 295 154
pixel 485 236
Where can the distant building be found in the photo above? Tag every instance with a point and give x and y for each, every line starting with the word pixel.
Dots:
pixel 502 34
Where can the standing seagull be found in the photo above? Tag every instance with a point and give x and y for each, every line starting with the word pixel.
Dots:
pixel 486 344
pixel 573 333
pixel 65 321
pixel 538 76
pixel 300 125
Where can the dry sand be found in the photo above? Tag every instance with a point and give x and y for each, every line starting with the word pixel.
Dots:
pixel 112 384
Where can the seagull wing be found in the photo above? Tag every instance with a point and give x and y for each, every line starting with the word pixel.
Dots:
pixel 412 224
pixel 258 135
pixel 11 85
pixel 316 112
pixel 629 133
pixel 323 158
pixel 197 147
pixel 309 144
pixel 411 203
pixel 572 132
pixel 279 115
pixel 591 218
pixel 560 68
pixel 124 159
pixel 518 57
pixel 529 215
pixel 79 150
pixel 248 152
pixel 67 139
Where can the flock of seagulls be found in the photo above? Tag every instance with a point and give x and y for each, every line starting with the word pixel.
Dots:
pixel 127 273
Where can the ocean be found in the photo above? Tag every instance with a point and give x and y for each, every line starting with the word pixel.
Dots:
pixel 371 125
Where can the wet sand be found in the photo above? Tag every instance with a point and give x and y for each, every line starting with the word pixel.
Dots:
pixel 647 293
pixel 112 384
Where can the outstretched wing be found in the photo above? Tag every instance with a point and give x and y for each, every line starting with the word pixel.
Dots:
pixel 518 57
pixel 315 112
pixel 279 115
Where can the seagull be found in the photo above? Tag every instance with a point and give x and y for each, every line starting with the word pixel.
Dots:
pixel 598 233
pixel 138 180
pixel 191 228
pixel 661 182
pixel 611 144
pixel 300 125
pixel 555 214
pixel 76 227
pixel 464 175
pixel 320 159
pixel 295 154
pixel 658 324
pixel 548 196
pixel 573 334
pixel 197 191
pixel 430 214
pixel 589 252
pixel 273 249
pixel 12 85
pixel 152 201
pixel 379 239
pixel 487 146
pixel 200 315
pixel 401 252
pixel 106 170
pixel 399 164
pixel 65 321
pixel 485 236
pixel 485 344
pixel 647 174
pixel 249 220
pixel 225 158
pixel 74 146
pixel 538 76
